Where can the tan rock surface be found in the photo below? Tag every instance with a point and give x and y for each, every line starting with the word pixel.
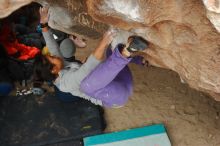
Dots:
pixel 213 12
pixel 71 16
pixel 182 37
pixel 9 6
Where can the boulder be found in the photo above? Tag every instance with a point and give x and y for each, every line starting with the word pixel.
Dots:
pixel 182 37
pixel 213 12
pixel 9 6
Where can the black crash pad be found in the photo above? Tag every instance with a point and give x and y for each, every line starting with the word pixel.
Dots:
pixel 33 121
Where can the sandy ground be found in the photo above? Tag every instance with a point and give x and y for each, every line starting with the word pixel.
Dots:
pixel 191 117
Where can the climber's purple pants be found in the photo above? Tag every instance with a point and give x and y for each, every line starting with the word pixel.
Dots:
pixel 111 81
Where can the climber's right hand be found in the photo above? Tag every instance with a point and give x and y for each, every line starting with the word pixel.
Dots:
pixel 107 38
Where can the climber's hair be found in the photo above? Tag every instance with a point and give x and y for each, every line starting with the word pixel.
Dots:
pixel 42 69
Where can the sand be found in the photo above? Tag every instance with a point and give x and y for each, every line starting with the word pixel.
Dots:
pixel 191 117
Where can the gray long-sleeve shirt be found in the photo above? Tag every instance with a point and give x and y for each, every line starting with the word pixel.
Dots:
pixel 70 77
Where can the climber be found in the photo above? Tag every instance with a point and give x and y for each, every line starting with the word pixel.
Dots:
pixel 107 83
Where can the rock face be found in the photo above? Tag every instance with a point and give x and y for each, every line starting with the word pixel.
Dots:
pixel 9 6
pixel 213 12
pixel 71 16
pixel 183 34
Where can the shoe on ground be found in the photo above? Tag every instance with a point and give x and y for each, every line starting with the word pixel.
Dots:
pixel 38 91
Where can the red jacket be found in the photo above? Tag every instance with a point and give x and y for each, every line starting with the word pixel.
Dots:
pixel 8 40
